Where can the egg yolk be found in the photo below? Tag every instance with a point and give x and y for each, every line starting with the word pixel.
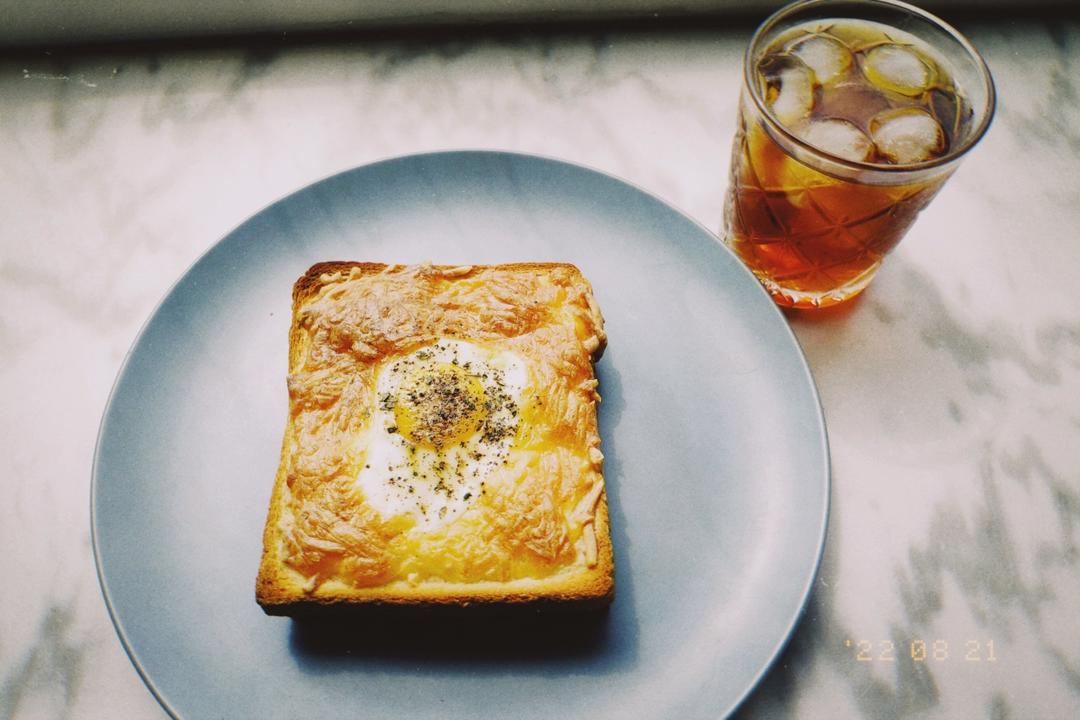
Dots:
pixel 440 406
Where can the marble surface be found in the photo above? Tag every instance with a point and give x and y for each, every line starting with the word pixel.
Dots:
pixel 951 389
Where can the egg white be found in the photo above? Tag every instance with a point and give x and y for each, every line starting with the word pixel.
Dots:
pixel 435 485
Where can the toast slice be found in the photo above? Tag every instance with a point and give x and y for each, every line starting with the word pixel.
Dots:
pixel 441 447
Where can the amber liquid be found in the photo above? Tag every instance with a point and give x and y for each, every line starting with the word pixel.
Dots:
pixel 814 239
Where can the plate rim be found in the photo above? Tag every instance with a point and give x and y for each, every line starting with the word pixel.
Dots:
pixel 824 512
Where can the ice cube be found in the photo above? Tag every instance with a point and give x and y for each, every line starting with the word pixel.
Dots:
pixel 907 135
pixel 899 69
pixel 789 87
pixel 825 55
pixel 838 138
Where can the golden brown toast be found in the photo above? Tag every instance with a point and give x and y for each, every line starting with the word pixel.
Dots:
pixel 441 447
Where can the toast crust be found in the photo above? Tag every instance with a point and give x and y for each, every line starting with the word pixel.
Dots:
pixel 299 579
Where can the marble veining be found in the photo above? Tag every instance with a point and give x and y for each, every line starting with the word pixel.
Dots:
pixel 54 663
pixel 951 389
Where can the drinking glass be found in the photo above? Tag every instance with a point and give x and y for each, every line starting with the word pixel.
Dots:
pixel 852 115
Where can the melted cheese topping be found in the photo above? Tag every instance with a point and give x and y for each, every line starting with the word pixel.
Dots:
pixel 533 516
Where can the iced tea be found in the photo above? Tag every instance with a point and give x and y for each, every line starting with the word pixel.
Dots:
pixel 844 137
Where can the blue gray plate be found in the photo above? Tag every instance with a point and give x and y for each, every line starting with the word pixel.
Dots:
pixel 717 462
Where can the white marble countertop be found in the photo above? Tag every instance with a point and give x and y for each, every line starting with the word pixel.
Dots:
pixel 951 389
